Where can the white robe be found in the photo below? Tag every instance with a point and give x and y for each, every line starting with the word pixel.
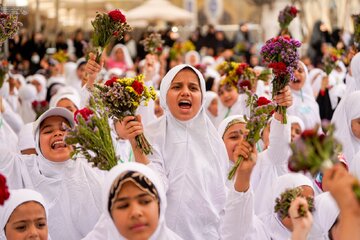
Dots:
pixel 192 161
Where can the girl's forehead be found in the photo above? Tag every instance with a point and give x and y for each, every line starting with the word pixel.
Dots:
pixel 51 120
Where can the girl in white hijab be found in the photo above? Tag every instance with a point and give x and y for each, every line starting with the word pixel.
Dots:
pixel 39 81
pixel 15 225
pixel 354 83
pixel 120 58
pixel 144 204
pixel 70 188
pixel 27 94
pixel 304 106
pixel 347 126
pixel 192 58
pixel 67 100
pixel 188 154
pixel 211 106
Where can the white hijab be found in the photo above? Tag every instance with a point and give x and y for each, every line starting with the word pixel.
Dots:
pixel 105 228
pixel 190 54
pixel 42 80
pixel 18 197
pixel 304 104
pixel 294 119
pixel 127 58
pixel 348 109
pixel 27 94
pixel 315 77
pixel 74 98
pixel 354 85
pixel 26 140
pixel 209 97
pixel 271 220
pixel 192 159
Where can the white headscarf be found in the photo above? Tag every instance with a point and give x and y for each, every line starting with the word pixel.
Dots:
pixel 336 81
pixel 42 80
pixel 192 160
pixel 348 109
pixel 224 123
pixel 127 58
pixel 59 96
pixel 71 76
pixel 209 97
pixel 27 94
pixel 304 104
pixel 190 54
pixel 106 230
pixel 354 85
pixel 18 197
pixel 5 90
pixel 26 139
pixel 271 220
pixel 315 77
pixel 294 119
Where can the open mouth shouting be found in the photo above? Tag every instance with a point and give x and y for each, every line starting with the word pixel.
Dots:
pixel 185 104
pixel 58 144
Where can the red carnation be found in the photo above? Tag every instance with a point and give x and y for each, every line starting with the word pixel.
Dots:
pixel 159 49
pixel 111 82
pixel 138 87
pixel 263 101
pixel 309 133
pixel 85 113
pixel 333 58
pixel 116 33
pixel 279 68
pixel 43 103
pixel 293 11
pixel 117 16
pixel 4 191
pixel 35 104
pixel 241 68
pixel 245 84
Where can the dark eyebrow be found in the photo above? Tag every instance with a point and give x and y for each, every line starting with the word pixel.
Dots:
pixel 45 126
pixel 136 197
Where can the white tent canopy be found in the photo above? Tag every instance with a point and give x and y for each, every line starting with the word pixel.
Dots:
pixel 155 10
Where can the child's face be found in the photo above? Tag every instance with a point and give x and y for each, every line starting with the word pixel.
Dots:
pixel 355 127
pixel 213 107
pixel 52 136
pixel 228 95
pixel 135 212
pixel 184 95
pixel 27 221
pixel 232 136
pixel 295 131
pixel 300 78
pixel 68 104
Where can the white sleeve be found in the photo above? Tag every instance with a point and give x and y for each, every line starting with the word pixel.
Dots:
pixel 157 164
pixel 239 219
pixel 12 118
pixel 11 165
pixel 279 151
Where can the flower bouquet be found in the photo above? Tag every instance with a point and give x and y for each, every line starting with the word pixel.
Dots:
pixel 40 107
pixel 283 203
pixel 285 17
pixel 91 138
pixel 153 44
pixel 261 109
pixel 123 96
pixel 314 153
pixel 108 27
pixel 4 69
pixel 9 25
pixel 281 55
pixel 180 48
pixel 356 20
pixel 4 191
pixel 331 59
pixel 61 56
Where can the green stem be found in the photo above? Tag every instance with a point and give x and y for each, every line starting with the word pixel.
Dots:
pixel 234 168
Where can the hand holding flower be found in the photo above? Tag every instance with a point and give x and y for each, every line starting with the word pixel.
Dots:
pixel 243 172
pixel 284 99
pixel 133 128
pixel 301 224
pixel 92 69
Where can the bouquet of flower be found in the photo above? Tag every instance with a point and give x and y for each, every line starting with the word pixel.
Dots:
pixel 331 59
pixel 4 69
pixel 281 55
pixel 9 25
pixel 180 48
pixel 286 16
pixel 4 190
pixel 91 138
pixel 61 56
pixel 123 96
pixel 356 20
pixel 108 27
pixel 283 203
pixel 240 75
pixel 40 107
pixel 153 44
pixel 261 109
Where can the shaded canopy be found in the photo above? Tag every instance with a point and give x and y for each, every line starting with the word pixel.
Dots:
pixel 155 10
